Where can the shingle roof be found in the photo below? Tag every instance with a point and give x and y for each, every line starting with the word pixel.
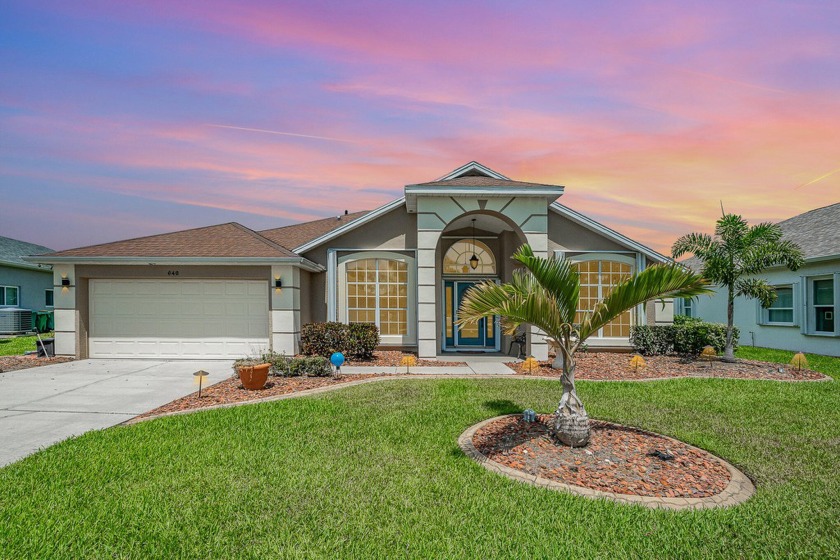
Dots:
pixel 11 251
pixel 225 240
pixel 481 181
pixel 816 231
pixel 297 234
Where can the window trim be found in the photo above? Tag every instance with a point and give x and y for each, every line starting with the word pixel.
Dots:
pixel 810 308
pixel 410 338
pixel 764 312
pixel 17 296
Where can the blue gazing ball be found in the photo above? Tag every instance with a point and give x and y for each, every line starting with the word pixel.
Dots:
pixel 337 359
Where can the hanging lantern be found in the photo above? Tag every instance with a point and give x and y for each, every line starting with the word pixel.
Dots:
pixel 473 258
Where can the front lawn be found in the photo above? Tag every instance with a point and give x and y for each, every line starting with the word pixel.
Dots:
pixel 17 345
pixel 375 471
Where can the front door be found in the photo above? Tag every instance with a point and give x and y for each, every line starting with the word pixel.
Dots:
pixel 475 336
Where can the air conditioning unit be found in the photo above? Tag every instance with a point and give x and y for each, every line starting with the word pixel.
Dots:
pixel 15 321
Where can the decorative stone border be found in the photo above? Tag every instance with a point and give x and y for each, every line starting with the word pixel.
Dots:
pixel 739 489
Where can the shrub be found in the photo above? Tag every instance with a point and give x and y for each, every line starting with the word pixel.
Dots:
pixel 280 363
pixel 357 340
pixel 686 337
pixel 362 339
pixel 653 340
pixel 323 339
pixel 311 366
pixel 284 366
pixel 692 336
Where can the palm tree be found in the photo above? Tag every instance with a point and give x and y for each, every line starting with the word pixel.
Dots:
pixel 734 255
pixel 545 294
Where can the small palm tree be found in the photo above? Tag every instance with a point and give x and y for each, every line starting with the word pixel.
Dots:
pixel 545 294
pixel 734 254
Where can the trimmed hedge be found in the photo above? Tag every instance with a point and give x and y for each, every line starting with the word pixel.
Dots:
pixel 686 337
pixel 357 340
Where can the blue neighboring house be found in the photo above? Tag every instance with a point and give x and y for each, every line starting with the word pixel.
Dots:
pixel 23 284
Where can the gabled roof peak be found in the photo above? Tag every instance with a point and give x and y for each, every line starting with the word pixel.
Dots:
pixel 473 169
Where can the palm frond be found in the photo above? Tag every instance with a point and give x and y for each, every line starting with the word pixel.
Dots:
pixel 697 243
pixel 756 288
pixel 557 276
pixel 655 282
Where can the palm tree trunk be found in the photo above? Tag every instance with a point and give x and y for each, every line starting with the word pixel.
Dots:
pixel 729 351
pixel 571 423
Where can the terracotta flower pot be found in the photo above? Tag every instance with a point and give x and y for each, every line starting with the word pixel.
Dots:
pixel 253 377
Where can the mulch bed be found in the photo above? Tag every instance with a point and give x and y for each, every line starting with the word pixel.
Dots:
pixel 231 391
pixel 618 459
pixel 12 363
pixel 393 358
pixel 611 366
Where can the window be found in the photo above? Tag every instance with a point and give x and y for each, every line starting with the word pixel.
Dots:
pixel 781 311
pixel 377 292
pixel 597 277
pixel 457 258
pixel 823 308
pixel 9 296
pixel 688 307
pixel 48 298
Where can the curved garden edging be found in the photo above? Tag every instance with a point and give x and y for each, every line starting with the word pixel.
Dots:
pixel 739 489
pixel 390 377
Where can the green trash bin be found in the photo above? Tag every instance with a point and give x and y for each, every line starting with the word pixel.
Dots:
pixel 50 320
pixel 41 321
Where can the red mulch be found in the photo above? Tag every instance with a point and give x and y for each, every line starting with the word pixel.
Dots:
pixel 616 459
pixel 12 363
pixel 393 358
pixel 611 366
pixel 231 391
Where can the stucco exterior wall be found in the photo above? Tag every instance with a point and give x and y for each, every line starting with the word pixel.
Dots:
pixel 713 308
pixel 32 285
pixel 566 235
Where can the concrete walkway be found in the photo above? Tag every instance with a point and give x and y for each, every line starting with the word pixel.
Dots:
pixel 44 405
pixel 475 365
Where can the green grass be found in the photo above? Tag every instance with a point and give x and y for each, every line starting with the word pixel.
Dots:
pixel 825 364
pixel 375 471
pixel 19 344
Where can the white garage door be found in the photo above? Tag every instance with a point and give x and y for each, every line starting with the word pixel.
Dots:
pixel 178 318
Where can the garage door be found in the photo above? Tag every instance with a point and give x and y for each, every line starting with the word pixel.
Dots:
pixel 178 318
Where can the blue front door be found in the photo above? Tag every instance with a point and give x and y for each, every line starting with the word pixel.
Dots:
pixel 478 335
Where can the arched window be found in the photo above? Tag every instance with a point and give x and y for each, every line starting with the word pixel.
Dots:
pixel 457 258
pixel 597 277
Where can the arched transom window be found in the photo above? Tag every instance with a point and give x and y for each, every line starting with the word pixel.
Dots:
pixel 597 277
pixel 457 258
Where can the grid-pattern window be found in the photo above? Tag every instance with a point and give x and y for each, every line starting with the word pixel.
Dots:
pixel 824 305
pixel 596 280
pixel 377 292
pixel 457 258
pixel 9 296
pixel 688 307
pixel 781 311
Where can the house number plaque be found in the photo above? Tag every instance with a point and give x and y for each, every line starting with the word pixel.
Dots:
pixel 173 273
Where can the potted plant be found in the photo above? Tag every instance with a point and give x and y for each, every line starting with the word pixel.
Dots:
pixel 253 372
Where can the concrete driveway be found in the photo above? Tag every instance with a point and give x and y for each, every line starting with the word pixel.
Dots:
pixel 41 406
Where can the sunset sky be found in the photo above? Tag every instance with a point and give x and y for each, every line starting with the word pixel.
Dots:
pixel 121 119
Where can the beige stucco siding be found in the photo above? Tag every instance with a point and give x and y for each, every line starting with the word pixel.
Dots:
pixel 566 235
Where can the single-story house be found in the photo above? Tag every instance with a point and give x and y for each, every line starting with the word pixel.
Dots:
pixel 23 284
pixel 804 316
pixel 226 291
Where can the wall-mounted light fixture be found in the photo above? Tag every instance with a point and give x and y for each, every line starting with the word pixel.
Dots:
pixel 278 284
pixel 65 282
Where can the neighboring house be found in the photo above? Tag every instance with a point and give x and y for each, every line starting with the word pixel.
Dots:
pixel 23 284
pixel 226 291
pixel 804 316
